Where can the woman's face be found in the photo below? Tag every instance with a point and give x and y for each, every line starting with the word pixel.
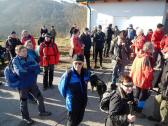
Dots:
pixel 77 34
pixel 25 34
pixel 78 65
pixel 23 53
pixel 47 39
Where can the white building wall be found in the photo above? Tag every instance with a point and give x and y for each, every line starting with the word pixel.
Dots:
pixel 144 14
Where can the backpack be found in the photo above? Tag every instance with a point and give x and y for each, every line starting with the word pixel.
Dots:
pixel 11 77
pixel 105 101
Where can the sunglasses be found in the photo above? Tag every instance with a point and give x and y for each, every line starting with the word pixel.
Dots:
pixel 128 85
pixel 78 63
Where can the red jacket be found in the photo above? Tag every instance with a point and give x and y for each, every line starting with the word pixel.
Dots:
pixel 149 36
pixel 142 71
pixel 30 37
pixel 164 42
pixel 139 42
pixel 77 45
pixel 49 54
pixel 156 38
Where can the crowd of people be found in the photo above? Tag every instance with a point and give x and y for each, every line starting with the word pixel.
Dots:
pixel 149 54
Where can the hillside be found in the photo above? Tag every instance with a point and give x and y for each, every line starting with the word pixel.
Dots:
pixel 32 14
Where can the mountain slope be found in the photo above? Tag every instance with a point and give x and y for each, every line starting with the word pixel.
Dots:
pixel 32 14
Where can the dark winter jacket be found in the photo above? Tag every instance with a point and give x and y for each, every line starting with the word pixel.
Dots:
pixel 119 108
pixel 164 80
pixel 99 39
pixel 109 33
pixel 10 45
pixel 74 89
pixel 86 40
pixel 43 30
pixel 119 52
pixel 40 40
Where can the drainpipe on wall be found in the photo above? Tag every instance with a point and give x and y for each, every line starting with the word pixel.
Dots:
pixel 90 14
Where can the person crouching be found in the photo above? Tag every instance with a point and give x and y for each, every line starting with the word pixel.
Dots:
pixel 119 109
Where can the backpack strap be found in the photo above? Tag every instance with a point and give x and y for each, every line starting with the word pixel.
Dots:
pixel 69 75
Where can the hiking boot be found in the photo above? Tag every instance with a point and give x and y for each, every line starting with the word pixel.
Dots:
pixel 29 121
pixel 45 113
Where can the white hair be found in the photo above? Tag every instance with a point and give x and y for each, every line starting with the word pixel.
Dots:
pixel 148 46
pixel 139 30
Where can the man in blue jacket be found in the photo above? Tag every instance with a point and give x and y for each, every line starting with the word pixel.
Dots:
pixel 27 70
pixel 73 87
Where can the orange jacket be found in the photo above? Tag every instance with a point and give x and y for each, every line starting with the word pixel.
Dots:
pixel 49 54
pixel 142 71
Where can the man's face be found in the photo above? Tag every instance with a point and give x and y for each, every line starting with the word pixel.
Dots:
pixel 161 29
pixel 127 88
pixel 23 53
pixel 86 32
pixel 13 35
pixel 99 29
pixel 78 65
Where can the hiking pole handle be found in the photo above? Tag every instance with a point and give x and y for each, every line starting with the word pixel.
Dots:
pixel 130 103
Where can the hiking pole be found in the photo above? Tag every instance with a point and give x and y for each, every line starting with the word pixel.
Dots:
pixel 130 103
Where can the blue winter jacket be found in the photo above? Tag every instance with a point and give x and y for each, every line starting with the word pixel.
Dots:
pixel 75 91
pixel 34 55
pixel 27 70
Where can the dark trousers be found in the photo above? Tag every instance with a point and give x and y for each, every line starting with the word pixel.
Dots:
pixel 34 90
pixel 107 48
pixel 157 78
pixel 75 117
pixel 48 71
pixel 100 52
pixel 117 71
pixel 142 95
pixel 87 56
